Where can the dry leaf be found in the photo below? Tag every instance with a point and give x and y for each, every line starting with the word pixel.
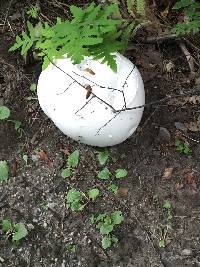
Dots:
pixel 122 192
pixel 14 169
pixel 183 100
pixel 90 71
pixel 194 126
pixel 189 177
pixel 178 186
pixel 168 172
pixel 43 156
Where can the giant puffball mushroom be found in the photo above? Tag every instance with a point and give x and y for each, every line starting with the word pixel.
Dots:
pixel 88 101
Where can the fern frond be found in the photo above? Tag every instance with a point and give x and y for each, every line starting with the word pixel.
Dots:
pixel 140 7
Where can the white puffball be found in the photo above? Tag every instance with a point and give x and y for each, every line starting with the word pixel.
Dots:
pixel 91 121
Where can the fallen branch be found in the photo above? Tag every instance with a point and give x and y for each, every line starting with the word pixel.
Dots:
pixel 188 56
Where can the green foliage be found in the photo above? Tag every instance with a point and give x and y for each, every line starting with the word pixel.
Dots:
pixel 6 225
pixel 33 87
pixel 4 113
pixel 103 156
pixel 72 248
pixel 138 5
pixel 192 12
pixel 17 230
pixel 66 173
pixel 72 162
pixel 168 224
pixel 3 171
pixel 74 200
pixel 106 223
pixel 33 12
pixel 104 174
pixel 183 148
pixel 120 173
pixel 113 187
pixel 93 193
pixel 77 200
pixel 73 159
pixel 91 31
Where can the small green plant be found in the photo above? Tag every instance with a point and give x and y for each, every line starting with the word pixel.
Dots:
pixel 33 12
pixel 72 162
pixel 183 148
pixel 18 231
pixel 105 174
pixel 103 156
pixel 192 12
pixel 72 248
pixel 167 226
pixel 106 224
pixel 93 193
pixel 137 5
pixel 77 200
pixel 33 89
pixel 4 113
pixel 113 188
pixel 120 173
pixel 90 32
pixel 17 127
pixel 3 171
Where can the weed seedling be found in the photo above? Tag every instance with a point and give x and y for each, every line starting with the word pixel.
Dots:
pixel 183 148
pixel 77 200
pixel 18 231
pixel 3 171
pixel 4 113
pixel 103 156
pixel 105 174
pixel 72 162
pixel 72 248
pixel 33 89
pixel 33 12
pixel 105 224
pixel 168 225
pixel 113 188
pixel 191 10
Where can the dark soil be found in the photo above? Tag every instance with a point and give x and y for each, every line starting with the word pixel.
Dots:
pixel 34 193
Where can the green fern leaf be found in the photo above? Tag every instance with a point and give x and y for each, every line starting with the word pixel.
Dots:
pixel 106 51
pixel 183 3
pixel 140 7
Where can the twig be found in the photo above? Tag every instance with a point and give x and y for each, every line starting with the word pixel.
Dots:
pixel 155 39
pixel 66 88
pixel 6 16
pixel 188 56
pixel 107 104
pixel 107 122
pixel 100 86
pixel 145 123
pixel 84 105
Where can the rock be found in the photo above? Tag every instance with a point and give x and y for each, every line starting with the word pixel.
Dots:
pixel 186 252
pixel 180 126
pixel 164 135
pixel 51 205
